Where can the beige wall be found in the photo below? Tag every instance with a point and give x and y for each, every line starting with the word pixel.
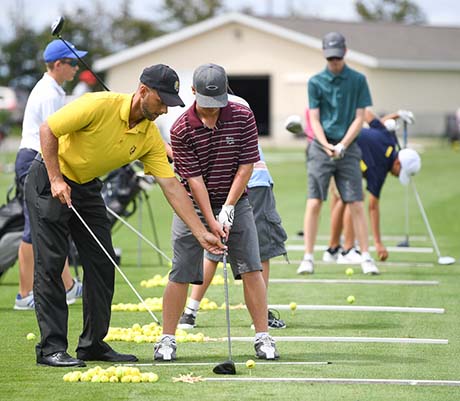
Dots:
pixel 243 50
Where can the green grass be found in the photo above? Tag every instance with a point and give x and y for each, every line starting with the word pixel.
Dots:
pixel 438 186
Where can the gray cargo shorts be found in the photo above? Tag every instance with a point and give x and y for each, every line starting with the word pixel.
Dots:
pixel 243 249
pixel 346 172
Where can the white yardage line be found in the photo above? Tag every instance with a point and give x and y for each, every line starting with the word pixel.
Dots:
pixel 380 264
pixel 351 281
pixel 361 308
pixel 172 364
pixel 333 380
pixel 436 341
pixel 395 249
pixel 385 238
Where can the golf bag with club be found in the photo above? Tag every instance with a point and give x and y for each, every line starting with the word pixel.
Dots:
pixel 11 229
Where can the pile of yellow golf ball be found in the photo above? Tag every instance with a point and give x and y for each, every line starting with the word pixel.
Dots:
pixel 154 304
pixel 119 374
pixel 148 333
pixel 160 281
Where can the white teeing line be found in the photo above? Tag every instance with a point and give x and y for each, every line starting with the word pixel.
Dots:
pixel 437 341
pixel 395 249
pixel 360 308
pixel 385 238
pixel 351 281
pixel 380 264
pixel 172 364
pixel 333 380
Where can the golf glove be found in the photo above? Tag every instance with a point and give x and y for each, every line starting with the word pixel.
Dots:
pixel 226 216
pixel 407 116
pixel 339 151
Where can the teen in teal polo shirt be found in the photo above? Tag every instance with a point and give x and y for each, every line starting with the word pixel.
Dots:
pixel 337 99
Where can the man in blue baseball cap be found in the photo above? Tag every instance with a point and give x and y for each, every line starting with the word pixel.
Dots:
pixel 46 97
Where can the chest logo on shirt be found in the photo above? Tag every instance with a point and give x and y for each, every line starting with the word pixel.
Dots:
pixel 229 140
pixel 132 150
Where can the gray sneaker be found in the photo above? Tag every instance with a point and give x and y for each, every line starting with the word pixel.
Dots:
pixel 24 303
pixel 165 349
pixel 186 322
pixel 266 348
pixel 306 267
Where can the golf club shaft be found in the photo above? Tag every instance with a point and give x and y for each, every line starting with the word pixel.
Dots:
pixel 425 219
pixel 139 234
pixel 227 305
pixel 116 266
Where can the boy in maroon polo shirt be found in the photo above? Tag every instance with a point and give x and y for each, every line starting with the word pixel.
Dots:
pixel 215 146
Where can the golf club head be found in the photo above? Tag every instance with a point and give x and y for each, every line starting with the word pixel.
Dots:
pixel 225 368
pixel 446 260
pixel 404 243
pixel 57 26
pixel 293 124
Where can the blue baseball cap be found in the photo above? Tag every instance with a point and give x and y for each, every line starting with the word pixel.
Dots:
pixel 57 50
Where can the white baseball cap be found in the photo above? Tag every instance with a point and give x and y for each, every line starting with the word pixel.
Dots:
pixel 410 164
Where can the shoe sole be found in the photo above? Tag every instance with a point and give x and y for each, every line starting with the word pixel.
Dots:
pixel 15 307
pixel 185 326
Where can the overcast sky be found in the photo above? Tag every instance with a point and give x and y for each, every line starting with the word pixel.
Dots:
pixel 41 13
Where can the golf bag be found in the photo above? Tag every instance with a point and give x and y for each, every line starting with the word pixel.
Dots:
pixel 11 229
pixel 121 188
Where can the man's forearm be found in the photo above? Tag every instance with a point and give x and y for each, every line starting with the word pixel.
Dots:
pixel 353 131
pixel 49 146
pixel 239 184
pixel 374 214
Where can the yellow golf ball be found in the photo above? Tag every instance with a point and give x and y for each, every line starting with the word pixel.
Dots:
pixel 250 364
pixel 31 336
pixel 349 271
pixel 351 299
pixel 293 306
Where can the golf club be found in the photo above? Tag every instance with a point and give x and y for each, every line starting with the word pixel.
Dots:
pixel 442 260
pixel 139 234
pixel 56 29
pixel 227 367
pixel 405 243
pixel 116 266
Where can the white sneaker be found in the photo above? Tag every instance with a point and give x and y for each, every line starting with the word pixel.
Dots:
pixel 350 257
pixel 330 255
pixel 75 292
pixel 369 267
pixel 306 267
pixel 24 303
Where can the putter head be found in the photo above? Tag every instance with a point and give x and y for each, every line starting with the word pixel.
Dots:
pixel 225 368
pixel 404 243
pixel 57 26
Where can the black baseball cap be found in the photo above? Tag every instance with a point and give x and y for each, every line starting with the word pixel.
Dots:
pixel 165 81
pixel 334 45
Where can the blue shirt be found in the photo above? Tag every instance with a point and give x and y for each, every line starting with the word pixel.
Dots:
pixel 260 175
pixel 337 97
pixel 378 147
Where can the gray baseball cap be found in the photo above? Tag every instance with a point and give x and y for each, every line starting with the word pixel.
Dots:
pixel 334 45
pixel 210 82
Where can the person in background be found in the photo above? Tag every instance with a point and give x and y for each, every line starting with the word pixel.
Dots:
pixel 270 233
pixel 337 98
pixel 46 97
pixel 87 83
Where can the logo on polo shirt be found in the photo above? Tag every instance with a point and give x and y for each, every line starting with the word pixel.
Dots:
pixel 132 150
pixel 230 140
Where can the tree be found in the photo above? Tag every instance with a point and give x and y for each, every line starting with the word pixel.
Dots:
pixel 400 11
pixel 188 12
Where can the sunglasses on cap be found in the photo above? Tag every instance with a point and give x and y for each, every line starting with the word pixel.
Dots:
pixel 73 62
pixel 334 58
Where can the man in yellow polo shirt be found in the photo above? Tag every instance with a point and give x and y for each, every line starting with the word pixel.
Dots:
pixel 86 139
